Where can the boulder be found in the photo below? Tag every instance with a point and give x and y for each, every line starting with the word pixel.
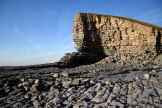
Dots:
pixel 56 75
pixel 78 58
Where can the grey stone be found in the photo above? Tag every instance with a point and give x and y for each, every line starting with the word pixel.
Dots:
pixel 100 97
pixel 76 82
pixel 26 83
pixel 64 74
pixel 111 97
pixel 20 85
pixel 117 104
pixel 147 76
pixel 22 79
pixel 52 88
pixel 7 89
pixel 37 81
pixel 27 96
pixel 66 102
pixel 18 105
pixel 101 105
pixel 92 81
pixel 56 75
pixel 34 98
pixel 31 81
pixel 117 88
pixel 56 100
pixel 58 84
pixel 36 104
pixel 26 88
pixel 36 87
pixel 156 66
pixel 66 84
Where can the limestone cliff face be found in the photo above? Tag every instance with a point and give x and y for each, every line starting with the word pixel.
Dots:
pixel 106 35
pixel 113 39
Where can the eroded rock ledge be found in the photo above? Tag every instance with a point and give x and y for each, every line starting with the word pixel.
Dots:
pixel 117 39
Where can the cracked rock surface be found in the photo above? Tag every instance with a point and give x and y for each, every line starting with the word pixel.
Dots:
pixel 39 89
pixel 120 40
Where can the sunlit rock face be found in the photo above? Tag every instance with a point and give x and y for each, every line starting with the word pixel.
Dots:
pixel 107 35
pixel 113 39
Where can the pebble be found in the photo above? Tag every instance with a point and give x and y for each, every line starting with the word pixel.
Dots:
pixel 37 81
pixel 26 88
pixel 33 88
pixel 147 76
pixel 129 90
pixel 64 74
pixel 56 75
pixel 33 98
pixel 36 104
pixel 26 83
pixel 154 71
pixel 26 96
pixel 76 82
pixel 22 79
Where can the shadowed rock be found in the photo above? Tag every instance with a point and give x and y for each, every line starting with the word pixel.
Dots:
pixel 116 39
pixel 105 35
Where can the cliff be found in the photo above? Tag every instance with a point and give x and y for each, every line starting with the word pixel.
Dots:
pixel 117 39
pixel 105 34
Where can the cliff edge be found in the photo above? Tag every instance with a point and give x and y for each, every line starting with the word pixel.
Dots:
pixel 116 39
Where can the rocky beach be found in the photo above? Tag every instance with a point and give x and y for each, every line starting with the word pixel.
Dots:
pixel 118 65
pixel 75 87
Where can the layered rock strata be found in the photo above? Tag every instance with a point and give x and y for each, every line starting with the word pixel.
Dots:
pixel 111 36
pixel 105 34
pixel 113 39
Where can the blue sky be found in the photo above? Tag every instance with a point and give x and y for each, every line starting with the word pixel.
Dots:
pixel 40 31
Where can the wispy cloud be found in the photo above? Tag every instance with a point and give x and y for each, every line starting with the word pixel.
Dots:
pixel 26 36
pixel 62 41
pixel 37 51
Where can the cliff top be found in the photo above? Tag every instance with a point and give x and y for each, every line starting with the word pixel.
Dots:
pixel 130 19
